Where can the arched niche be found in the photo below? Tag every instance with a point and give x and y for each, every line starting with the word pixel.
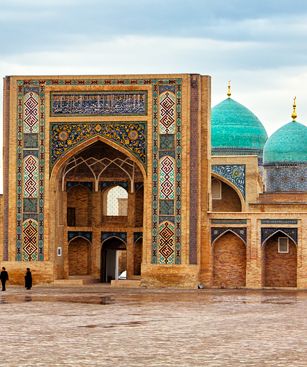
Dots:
pixel 79 256
pixel 229 261
pixel 279 268
pixel 225 196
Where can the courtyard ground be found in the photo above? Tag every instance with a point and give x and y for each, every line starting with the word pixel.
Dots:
pixel 101 326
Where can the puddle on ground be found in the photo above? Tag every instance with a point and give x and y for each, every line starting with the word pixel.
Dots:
pixel 119 324
pixel 95 300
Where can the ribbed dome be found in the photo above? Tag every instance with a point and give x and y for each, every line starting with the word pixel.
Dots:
pixel 236 130
pixel 287 145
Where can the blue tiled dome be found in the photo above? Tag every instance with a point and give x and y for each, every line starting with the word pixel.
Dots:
pixel 287 145
pixel 236 130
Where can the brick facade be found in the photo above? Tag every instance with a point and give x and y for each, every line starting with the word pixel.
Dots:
pixel 279 269
pixel 229 262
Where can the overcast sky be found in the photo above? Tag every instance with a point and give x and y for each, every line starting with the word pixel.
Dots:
pixel 260 45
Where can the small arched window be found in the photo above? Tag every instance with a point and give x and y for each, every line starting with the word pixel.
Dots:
pixel 116 202
pixel 216 189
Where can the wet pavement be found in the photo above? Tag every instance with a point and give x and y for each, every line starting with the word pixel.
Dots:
pixel 100 326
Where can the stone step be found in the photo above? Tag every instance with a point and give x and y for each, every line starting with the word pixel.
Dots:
pixel 126 283
pixel 78 280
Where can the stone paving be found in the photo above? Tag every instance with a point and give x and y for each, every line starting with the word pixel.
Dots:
pixel 100 326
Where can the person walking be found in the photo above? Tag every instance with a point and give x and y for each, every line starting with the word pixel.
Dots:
pixel 4 276
pixel 28 279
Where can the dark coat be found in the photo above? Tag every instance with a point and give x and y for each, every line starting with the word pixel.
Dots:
pixel 28 279
pixel 4 276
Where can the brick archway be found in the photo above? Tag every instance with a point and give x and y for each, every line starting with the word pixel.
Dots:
pixel 79 256
pixel 279 269
pixel 229 261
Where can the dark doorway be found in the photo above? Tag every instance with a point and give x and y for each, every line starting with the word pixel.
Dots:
pixel 113 259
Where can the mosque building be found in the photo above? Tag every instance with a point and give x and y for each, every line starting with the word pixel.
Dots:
pixel 135 180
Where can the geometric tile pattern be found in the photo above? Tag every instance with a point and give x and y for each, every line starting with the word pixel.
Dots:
pixel 166 246
pixel 167 178
pixel 266 233
pixel 166 243
pixel 66 136
pixel 167 113
pixel 30 113
pixel 29 244
pixel 31 177
pixel 30 240
pixel 194 168
pixel 235 173
pixel 285 178
pixel 99 104
pixel 166 207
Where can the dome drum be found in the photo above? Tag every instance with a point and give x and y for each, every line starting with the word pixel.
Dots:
pixel 285 178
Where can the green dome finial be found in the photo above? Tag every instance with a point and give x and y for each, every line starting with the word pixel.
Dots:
pixel 294 115
pixel 229 89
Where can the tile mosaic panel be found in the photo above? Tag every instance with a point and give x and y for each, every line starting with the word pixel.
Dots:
pixel 99 104
pixel 31 112
pixel 30 240
pixel 228 221
pixel 167 118
pixel 266 233
pixel 218 232
pixel 167 178
pixel 107 235
pixel 278 221
pixel 286 178
pixel 235 173
pixel 130 135
pixel 84 234
pixel 194 166
pixel 166 247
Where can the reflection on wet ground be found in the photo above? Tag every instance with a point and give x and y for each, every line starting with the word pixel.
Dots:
pixel 101 326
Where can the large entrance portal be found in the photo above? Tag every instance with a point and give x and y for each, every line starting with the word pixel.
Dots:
pixel 101 192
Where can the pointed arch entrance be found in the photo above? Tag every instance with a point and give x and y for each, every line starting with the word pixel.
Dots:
pixel 79 184
pixel 79 256
pixel 229 261
pixel 279 261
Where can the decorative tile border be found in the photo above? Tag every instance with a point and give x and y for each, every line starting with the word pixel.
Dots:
pixel 83 234
pixel 279 221
pixel 218 232
pixel 107 235
pixel 235 173
pixel 266 233
pixel 228 221
pixel 66 136
pixel 107 103
pixel 137 236
pixel 166 216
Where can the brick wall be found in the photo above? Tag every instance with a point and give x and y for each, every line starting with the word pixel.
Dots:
pixel 79 198
pixel 79 257
pixel 229 262
pixel 137 257
pixel 279 270
pixel 230 201
pixel 139 198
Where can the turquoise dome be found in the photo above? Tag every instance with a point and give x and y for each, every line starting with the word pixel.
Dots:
pixel 287 145
pixel 236 130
